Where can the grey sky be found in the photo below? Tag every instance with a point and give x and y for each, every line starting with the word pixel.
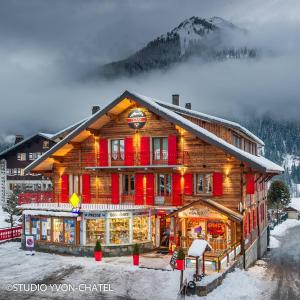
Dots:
pixel 46 45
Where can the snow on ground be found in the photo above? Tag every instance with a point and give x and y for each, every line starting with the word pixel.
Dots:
pixel 127 281
pixel 280 230
pixel 295 203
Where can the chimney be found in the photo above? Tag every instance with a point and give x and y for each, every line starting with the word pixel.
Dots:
pixel 175 99
pixel 188 105
pixel 95 109
pixel 19 138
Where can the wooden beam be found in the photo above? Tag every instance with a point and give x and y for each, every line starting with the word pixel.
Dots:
pixel 93 131
pixel 75 144
pixel 57 158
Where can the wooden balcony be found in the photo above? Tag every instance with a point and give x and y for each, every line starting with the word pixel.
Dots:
pixel 105 199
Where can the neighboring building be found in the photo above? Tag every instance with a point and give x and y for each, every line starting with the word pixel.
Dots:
pixel 292 213
pixel 14 160
pixel 152 173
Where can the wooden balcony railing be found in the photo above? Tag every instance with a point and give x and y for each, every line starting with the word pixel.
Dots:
pixel 36 197
pixel 49 197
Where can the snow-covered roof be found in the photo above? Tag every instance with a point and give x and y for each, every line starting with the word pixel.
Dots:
pixel 210 118
pixel 69 128
pixel 257 162
pixel 44 135
pixel 198 247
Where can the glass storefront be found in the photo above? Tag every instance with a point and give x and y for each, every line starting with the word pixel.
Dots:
pixel 35 228
pixel 69 231
pixel 119 231
pixel 46 229
pixel 95 230
pixel 140 228
pixel 58 230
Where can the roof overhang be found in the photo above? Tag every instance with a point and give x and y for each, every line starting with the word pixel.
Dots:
pixel 127 99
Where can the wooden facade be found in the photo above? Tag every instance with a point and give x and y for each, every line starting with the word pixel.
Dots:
pixel 108 162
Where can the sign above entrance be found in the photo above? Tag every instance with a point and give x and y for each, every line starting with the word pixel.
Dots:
pixel 136 119
pixel 200 212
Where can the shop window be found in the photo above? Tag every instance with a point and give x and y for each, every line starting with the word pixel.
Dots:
pixel 58 230
pixel 163 184
pixel 46 229
pixel 203 183
pixel 117 150
pixel 119 230
pixel 69 231
pixel 21 156
pixel 140 228
pixel 160 148
pixel 95 230
pixel 35 228
pixel 128 184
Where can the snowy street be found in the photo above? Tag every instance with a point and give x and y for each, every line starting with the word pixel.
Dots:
pixel 274 277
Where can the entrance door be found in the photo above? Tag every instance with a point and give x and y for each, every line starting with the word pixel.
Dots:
pixel 164 232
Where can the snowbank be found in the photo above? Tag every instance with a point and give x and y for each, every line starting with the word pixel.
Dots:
pixel 295 203
pixel 280 230
pixel 3 216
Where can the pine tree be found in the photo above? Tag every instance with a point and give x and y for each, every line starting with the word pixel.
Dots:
pixel 10 207
pixel 278 196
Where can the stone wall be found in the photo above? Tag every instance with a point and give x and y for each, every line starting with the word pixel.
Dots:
pixel 108 251
pixel 257 249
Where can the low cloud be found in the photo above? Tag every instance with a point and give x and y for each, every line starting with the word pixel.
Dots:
pixel 42 55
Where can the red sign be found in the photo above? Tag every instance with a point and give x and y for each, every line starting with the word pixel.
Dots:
pixel 136 119
pixel 215 228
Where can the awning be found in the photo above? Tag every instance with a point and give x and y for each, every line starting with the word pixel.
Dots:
pixel 213 204
pixel 49 213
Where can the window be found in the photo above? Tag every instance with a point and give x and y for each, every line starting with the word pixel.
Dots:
pixel 117 149
pixel 35 228
pixel 18 172
pixel 203 183
pixel 58 230
pixel 10 172
pixel 45 144
pixel 46 229
pixel 140 228
pixel 75 184
pixel 247 146
pixel 69 231
pixel 34 155
pixel 95 230
pixel 27 224
pixel 163 184
pixel 236 140
pixel 119 230
pixel 160 148
pixel 128 184
pixel 21 156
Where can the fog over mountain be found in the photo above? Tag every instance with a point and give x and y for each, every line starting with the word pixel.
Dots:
pixel 47 47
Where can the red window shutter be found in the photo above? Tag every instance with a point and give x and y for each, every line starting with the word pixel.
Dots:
pixel 65 188
pixel 115 195
pixel 255 218
pixel 139 189
pixel 172 150
pixel 250 187
pixel 176 189
pixel 150 189
pixel 250 221
pixel 86 188
pixel 145 151
pixel 188 184
pixel 103 152
pixel 217 184
pixel 128 151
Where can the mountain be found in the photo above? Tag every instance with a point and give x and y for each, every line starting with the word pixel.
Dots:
pixel 282 144
pixel 209 39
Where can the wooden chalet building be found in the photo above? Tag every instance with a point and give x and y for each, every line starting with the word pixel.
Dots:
pixel 154 173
